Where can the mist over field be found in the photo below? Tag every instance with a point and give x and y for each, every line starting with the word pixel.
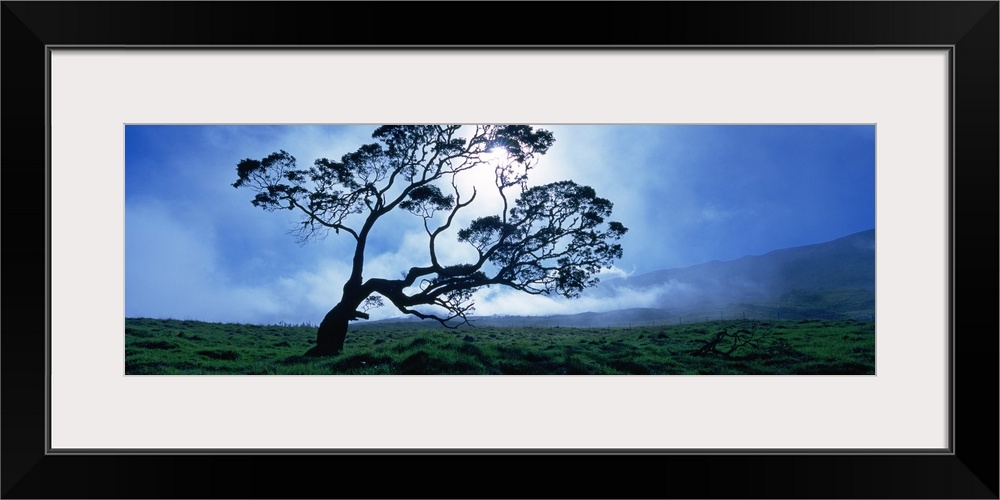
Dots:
pixel 722 220
pixel 831 280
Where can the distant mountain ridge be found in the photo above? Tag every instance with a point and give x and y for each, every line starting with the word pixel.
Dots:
pixel 831 280
pixel 843 263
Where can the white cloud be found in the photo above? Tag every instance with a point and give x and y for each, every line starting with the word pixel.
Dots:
pixel 180 256
pixel 506 301
pixel 613 272
pixel 172 271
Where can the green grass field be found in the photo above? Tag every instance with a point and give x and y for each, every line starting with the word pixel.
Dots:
pixel 806 347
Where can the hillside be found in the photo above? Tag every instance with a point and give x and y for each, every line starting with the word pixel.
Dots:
pixel 830 281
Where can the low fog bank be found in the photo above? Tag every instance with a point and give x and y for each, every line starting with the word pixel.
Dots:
pixel 831 281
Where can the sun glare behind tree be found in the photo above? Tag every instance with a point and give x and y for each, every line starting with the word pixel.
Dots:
pixel 548 239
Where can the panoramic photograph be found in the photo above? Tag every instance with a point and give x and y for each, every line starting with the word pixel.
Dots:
pixel 507 249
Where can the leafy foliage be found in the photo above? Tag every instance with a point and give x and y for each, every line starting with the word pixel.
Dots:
pixel 552 239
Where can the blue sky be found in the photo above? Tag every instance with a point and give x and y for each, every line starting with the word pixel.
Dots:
pixel 195 248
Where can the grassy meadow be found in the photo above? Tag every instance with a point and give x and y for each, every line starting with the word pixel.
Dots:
pixel 739 347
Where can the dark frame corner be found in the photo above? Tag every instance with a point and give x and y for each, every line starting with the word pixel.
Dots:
pixel 971 28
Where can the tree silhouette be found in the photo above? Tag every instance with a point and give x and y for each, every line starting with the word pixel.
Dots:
pixel 551 239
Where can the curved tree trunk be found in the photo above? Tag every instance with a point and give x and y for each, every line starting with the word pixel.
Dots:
pixel 332 332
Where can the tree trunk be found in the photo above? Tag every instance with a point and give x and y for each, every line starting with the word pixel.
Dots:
pixel 332 331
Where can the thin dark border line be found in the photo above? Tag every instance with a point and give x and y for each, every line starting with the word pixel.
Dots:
pixel 48 247
pixel 948 450
pixel 875 236
pixel 496 47
pixel 494 451
pixel 542 123
pixel 952 71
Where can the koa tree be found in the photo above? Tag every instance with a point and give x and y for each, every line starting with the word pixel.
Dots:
pixel 548 239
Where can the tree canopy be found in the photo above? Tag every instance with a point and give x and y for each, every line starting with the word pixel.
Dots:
pixel 545 239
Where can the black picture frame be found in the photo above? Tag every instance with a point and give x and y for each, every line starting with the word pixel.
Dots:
pixel 970 29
